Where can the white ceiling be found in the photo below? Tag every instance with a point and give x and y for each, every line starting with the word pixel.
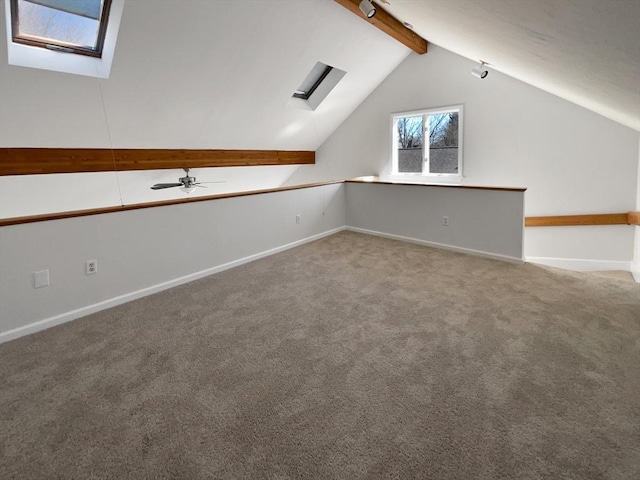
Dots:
pixel 219 74
pixel 203 74
pixel 585 51
pixel 187 73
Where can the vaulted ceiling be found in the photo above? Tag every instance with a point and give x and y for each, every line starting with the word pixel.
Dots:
pixel 202 74
pixel 585 51
pixel 219 74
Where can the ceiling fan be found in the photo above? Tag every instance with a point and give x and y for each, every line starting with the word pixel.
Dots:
pixel 187 184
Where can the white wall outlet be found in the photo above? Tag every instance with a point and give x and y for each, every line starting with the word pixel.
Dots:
pixel 92 267
pixel 41 279
pixel 445 221
pixel 298 218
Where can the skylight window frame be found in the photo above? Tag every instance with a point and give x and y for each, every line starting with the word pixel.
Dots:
pixel 57 45
pixel 306 95
pixel 316 86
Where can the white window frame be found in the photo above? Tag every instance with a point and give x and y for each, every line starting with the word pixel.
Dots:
pixel 425 176
pixel 44 59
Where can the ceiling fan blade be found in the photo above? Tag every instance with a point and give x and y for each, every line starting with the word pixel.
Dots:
pixel 160 186
pixel 219 181
pixel 198 185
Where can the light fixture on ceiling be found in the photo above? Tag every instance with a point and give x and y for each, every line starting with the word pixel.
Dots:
pixel 367 8
pixel 480 71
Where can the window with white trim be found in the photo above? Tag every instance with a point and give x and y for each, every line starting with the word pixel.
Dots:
pixel 427 144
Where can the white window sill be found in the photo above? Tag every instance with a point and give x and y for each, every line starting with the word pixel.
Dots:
pixel 426 179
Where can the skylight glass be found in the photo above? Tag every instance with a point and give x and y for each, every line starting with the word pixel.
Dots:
pixel 75 26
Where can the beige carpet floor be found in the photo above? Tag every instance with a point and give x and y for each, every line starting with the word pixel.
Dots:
pixel 352 357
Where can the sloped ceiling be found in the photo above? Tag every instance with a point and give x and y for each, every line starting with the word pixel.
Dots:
pixel 203 74
pixel 585 51
pixel 219 74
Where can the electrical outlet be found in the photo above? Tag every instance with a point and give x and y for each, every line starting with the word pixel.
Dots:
pixel 92 267
pixel 41 279
pixel 298 218
pixel 445 221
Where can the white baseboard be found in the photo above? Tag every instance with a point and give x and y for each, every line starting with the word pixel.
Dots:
pixel 469 251
pixel 636 274
pixel 635 271
pixel 581 265
pixel 112 302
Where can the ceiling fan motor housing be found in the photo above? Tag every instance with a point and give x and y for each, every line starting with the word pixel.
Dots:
pixel 187 181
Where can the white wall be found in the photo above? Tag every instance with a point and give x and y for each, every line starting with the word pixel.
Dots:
pixel 635 265
pixel 143 251
pixel 571 161
pixel 140 252
pixel 482 222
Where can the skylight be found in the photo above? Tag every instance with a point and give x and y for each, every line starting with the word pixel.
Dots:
pixel 73 26
pixel 318 73
pixel 316 86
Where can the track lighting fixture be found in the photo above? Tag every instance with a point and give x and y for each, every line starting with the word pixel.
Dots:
pixel 480 71
pixel 367 8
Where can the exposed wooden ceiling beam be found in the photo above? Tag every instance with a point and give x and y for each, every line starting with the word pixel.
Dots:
pixel 34 161
pixel 389 25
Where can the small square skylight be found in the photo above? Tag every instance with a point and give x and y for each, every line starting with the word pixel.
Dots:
pixel 316 86
pixel 75 26
pixel 317 74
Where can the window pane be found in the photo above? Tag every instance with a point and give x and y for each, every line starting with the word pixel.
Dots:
pixel 410 140
pixel 56 26
pixel 443 143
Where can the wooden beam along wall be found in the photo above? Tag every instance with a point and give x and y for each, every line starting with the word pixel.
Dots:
pixel 34 161
pixel 629 218
pixel 4 222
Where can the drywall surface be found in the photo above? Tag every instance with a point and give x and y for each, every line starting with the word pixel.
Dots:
pixel 485 222
pixel 635 264
pixel 218 76
pixel 571 161
pixel 585 51
pixel 143 251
